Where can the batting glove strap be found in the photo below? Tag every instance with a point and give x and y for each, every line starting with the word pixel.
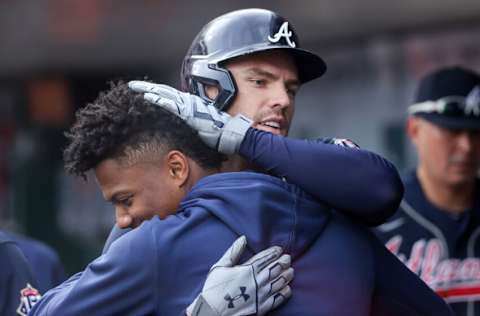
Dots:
pixel 233 134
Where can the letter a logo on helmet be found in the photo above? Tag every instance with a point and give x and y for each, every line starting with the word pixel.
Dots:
pixel 283 32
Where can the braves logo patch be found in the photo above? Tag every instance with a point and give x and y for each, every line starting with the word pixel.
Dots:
pixel 29 296
pixel 283 31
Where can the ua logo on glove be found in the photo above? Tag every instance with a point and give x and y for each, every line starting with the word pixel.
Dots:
pixel 230 299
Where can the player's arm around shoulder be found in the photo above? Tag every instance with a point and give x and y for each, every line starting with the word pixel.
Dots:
pixel 337 172
pixel 120 282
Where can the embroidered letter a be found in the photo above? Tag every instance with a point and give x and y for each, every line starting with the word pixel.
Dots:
pixel 283 32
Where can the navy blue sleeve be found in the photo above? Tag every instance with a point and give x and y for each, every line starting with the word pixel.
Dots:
pixel 17 284
pixel 361 184
pixel 115 233
pixel 120 282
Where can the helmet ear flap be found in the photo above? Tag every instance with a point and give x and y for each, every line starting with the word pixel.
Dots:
pixel 204 74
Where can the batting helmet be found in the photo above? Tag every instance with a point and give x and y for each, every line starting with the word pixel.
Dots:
pixel 235 34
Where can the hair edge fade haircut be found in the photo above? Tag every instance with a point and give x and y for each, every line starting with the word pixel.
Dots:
pixel 121 124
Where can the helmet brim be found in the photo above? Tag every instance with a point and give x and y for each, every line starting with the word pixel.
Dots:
pixel 309 65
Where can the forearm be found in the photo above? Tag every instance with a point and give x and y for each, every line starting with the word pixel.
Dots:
pixel 358 182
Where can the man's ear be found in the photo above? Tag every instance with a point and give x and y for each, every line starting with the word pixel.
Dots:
pixel 412 128
pixel 178 167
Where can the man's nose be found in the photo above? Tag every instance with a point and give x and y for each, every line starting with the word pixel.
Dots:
pixel 467 141
pixel 281 97
pixel 122 218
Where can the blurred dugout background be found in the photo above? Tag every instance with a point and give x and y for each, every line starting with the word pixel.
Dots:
pixel 56 55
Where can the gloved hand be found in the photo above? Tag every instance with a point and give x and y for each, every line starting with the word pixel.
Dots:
pixel 217 129
pixel 252 288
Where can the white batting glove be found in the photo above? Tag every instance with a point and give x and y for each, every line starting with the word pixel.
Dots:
pixel 252 288
pixel 217 129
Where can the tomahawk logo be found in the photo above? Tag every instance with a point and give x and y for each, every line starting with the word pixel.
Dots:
pixel 472 103
pixel 283 31
pixel 242 294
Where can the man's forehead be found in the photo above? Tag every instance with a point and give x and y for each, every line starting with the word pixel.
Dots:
pixel 263 63
pixel 108 173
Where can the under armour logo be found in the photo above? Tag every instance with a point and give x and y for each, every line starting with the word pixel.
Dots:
pixel 230 299
pixel 283 31
pixel 472 102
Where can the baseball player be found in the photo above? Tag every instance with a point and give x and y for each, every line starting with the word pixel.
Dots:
pixel 149 162
pixel 144 127
pixel 435 231
pixel 230 63
pixel 18 291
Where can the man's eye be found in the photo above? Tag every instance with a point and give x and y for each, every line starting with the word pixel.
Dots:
pixel 123 201
pixel 126 202
pixel 258 82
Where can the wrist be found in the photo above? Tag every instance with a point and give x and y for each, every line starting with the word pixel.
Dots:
pixel 233 134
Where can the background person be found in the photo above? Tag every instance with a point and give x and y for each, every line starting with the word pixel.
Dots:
pixel 437 227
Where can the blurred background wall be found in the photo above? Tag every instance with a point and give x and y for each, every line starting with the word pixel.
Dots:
pixel 56 55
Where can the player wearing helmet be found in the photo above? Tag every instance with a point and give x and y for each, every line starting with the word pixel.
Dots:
pixel 329 255
pixel 152 166
pixel 239 34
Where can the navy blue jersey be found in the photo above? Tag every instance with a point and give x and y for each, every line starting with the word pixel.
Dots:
pixel 43 260
pixel 443 249
pixel 159 267
pixel 17 285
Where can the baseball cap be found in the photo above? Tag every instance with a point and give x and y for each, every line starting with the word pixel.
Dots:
pixel 449 97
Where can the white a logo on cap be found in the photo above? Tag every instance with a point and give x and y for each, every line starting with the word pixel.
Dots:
pixel 283 31
pixel 472 102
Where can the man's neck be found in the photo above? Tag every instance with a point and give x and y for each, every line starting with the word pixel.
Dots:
pixel 237 163
pixel 450 198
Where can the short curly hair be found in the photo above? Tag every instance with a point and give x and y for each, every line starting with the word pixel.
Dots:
pixel 120 123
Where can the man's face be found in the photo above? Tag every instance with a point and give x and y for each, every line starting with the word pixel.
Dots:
pixel 267 83
pixel 139 191
pixel 447 156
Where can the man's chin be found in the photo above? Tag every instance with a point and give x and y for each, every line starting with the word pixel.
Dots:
pixel 463 178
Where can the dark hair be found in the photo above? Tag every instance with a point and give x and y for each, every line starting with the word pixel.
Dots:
pixel 120 119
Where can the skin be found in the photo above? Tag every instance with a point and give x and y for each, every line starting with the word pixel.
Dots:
pixel 267 84
pixel 137 194
pixel 448 163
